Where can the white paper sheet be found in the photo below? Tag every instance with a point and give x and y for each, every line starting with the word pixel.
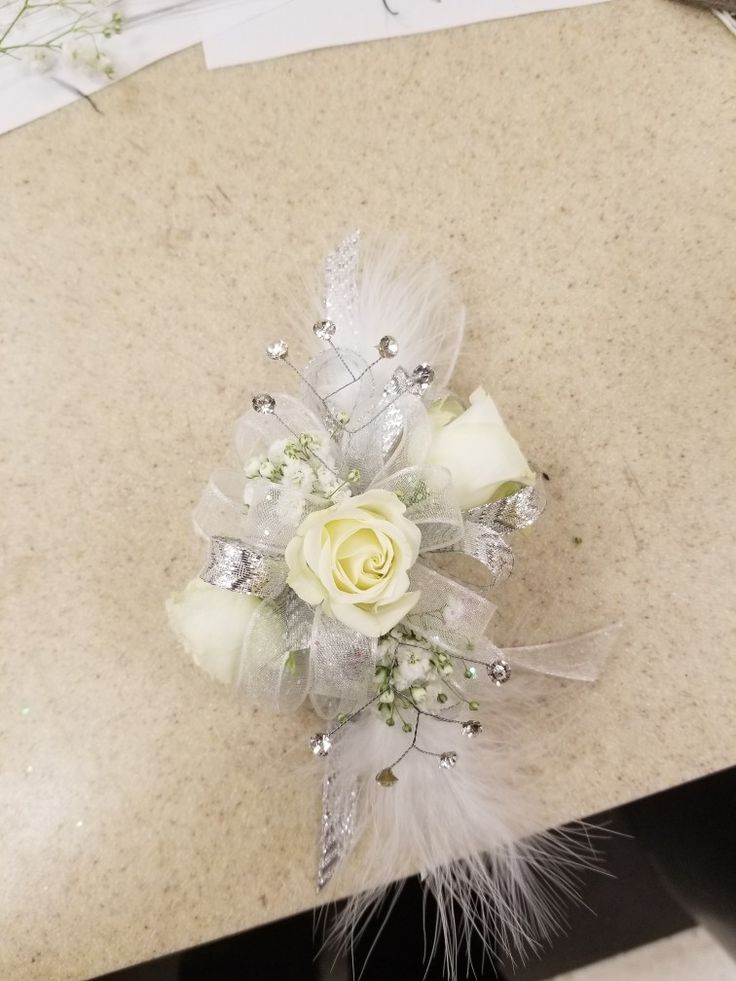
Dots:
pixel 238 32
pixel 290 26
pixel 152 29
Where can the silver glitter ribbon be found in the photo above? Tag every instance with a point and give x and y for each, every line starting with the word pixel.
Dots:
pixel 341 284
pixel 232 565
pixel 337 826
pixel 486 528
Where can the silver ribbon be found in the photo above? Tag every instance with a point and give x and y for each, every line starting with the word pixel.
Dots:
pixel 486 528
pixel 231 565
pixel 338 824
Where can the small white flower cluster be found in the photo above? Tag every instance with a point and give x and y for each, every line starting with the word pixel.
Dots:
pixel 59 34
pixel 411 672
pixel 306 464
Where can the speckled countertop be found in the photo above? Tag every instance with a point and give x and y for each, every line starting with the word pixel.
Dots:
pixel 576 171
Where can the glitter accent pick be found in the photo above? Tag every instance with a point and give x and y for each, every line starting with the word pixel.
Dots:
pixel 338 819
pixel 341 285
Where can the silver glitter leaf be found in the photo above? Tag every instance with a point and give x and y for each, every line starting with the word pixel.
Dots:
pixel 338 824
pixel 511 513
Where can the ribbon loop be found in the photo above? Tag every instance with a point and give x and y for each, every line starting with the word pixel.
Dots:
pixel 511 513
pixel 430 504
pixel 490 549
pixel 275 669
pixel 447 612
pixel 220 510
pixel 579 658
pixel 232 565
pixel 343 661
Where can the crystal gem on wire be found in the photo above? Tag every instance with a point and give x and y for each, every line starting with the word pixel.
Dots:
pixel 422 376
pixel 388 347
pixel 472 728
pixel 277 350
pixel 320 744
pixel 264 404
pixel 448 760
pixel 499 671
pixel 324 329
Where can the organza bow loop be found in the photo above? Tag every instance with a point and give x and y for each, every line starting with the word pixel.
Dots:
pixel 430 503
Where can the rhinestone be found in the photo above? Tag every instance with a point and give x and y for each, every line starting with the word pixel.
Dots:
pixel 264 404
pixel 472 729
pixel 388 347
pixel 448 760
pixel 471 672
pixel 499 671
pixel 387 777
pixel 324 329
pixel 277 350
pixel 422 376
pixel 320 744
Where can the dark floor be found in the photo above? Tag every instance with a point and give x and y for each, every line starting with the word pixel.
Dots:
pixel 668 861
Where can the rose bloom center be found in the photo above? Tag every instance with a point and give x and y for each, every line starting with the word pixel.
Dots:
pixel 362 559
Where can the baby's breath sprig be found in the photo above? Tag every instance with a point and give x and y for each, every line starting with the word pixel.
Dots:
pixel 45 34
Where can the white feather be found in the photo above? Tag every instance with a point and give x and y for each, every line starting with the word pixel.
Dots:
pixel 465 830
pixel 410 299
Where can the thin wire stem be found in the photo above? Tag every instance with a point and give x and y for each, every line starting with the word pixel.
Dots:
pixel 308 449
pixel 356 379
pixel 353 432
pixel 352 715
pixel 311 388
pixel 343 362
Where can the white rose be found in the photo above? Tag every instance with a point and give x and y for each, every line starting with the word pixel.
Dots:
pixel 478 450
pixel 354 559
pixel 211 623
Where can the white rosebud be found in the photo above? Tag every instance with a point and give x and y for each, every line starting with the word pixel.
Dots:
pixel 419 693
pixel 267 469
pixel 211 623
pixel 386 697
pixel 480 453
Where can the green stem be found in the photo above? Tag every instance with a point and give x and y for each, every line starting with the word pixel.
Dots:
pixel 14 21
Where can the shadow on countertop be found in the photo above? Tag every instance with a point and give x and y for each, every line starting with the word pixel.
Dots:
pixel 669 861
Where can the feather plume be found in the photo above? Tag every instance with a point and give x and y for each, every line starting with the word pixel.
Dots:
pixel 467 830
pixel 381 291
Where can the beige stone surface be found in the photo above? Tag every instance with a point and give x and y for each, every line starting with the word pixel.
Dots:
pixel 576 170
